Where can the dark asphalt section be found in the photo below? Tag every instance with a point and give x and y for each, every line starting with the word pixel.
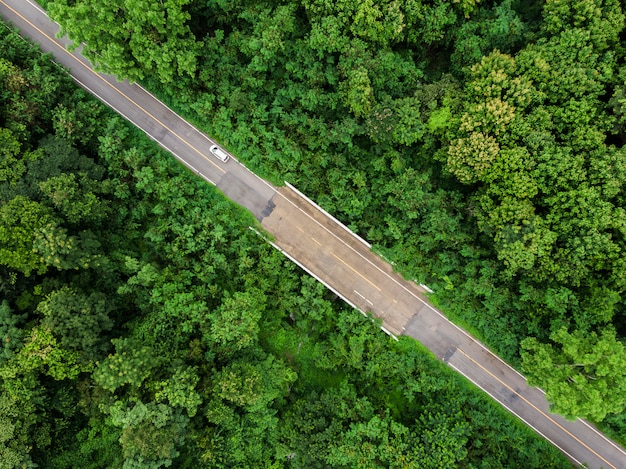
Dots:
pixel 247 196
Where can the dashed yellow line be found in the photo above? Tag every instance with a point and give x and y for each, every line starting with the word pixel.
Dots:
pixel 316 241
pixel 355 271
pixel 117 90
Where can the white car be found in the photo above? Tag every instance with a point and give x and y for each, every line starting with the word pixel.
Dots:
pixel 221 154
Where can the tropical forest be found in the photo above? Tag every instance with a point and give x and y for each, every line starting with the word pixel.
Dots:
pixel 478 145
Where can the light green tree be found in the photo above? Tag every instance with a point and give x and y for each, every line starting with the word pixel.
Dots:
pixel 132 38
pixel 17 419
pixel 74 196
pixel 21 219
pixel 236 324
pixel 583 373
pixel 42 353
pixel 180 390
pixel 131 364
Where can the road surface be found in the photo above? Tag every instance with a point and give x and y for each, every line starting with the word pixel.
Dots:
pixel 327 250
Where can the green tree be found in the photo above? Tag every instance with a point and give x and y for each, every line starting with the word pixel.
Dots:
pixel 378 442
pixel 21 220
pixel 55 247
pixel 131 364
pixel 132 39
pixel 77 198
pixel 11 334
pixel 150 433
pixel 604 19
pixel 12 167
pixel 78 123
pixel 254 386
pixel 583 373
pixel 78 319
pixel 236 323
pixel 500 28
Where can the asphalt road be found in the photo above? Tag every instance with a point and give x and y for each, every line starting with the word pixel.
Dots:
pixel 327 250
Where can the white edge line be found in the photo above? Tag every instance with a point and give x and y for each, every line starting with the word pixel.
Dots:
pixel 378 268
pixel 44 12
pixel 599 433
pixel 439 313
pixel 515 414
pixel 316 277
pixel 548 417
pixel 389 333
pixel 202 134
pixel 169 109
pixel 137 85
pixel 256 231
pixel 436 311
pixel 165 107
pixel 369 246
pixel 38 7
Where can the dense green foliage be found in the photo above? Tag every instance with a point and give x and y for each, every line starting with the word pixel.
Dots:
pixel 479 145
pixel 144 325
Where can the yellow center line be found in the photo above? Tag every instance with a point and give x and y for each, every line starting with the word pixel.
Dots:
pixel 536 408
pixel 116 89
pixel 355 271
pixel 316 241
